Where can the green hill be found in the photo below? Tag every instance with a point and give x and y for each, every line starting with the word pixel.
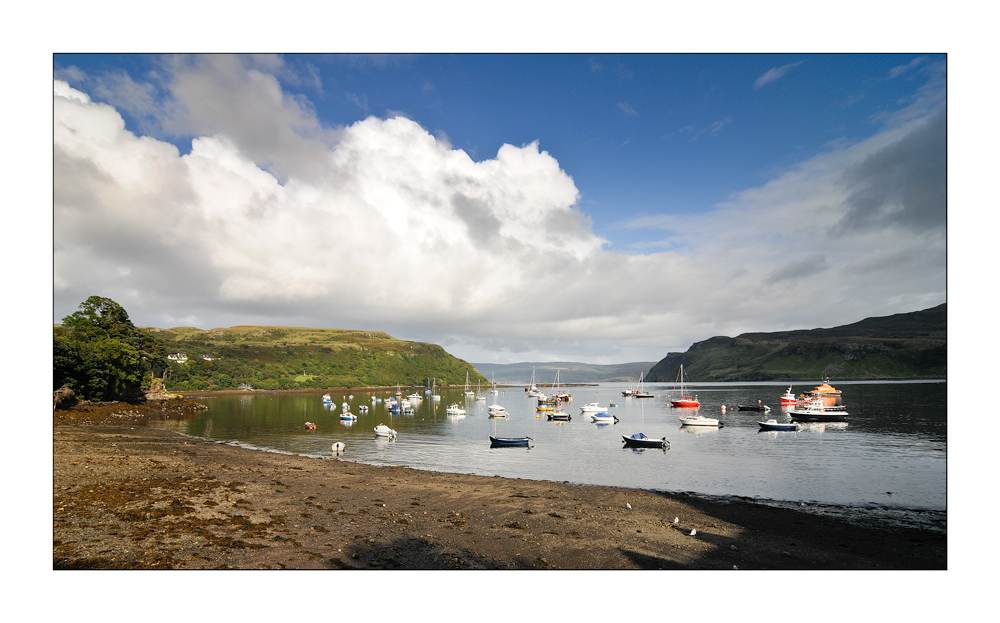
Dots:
pixel 292 358
pixel 569 372
pixel 901 346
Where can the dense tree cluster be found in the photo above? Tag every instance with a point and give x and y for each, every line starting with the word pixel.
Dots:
pixel 101 355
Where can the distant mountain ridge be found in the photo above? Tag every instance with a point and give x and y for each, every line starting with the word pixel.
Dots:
pixel 901 346
pixel 569 372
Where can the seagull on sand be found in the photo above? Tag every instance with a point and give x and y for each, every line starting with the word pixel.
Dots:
pixel 628 506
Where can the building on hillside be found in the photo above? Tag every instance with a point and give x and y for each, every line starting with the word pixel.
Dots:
pixel 178 357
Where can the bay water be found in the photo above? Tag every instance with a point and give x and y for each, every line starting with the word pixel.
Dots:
pixel 886 463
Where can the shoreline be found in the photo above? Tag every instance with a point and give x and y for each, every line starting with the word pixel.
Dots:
pixel 130 496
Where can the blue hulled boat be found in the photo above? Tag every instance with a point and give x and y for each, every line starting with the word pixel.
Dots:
pixel 639 440
pixel 502 442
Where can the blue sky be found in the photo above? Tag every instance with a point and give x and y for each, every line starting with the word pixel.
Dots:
pixel 511 207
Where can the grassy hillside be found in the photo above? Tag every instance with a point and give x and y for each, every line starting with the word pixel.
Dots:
pixel 292 358
pixel 901 346
pixel 569 372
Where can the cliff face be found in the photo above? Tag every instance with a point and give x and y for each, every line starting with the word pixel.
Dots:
pixel 901 346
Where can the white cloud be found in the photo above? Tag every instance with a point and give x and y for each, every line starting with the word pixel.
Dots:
pixel 774 74
pixel 274 218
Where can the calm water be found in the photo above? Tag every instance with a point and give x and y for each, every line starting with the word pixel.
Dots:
pixel 887 462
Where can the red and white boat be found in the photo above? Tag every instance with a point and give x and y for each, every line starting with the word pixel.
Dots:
pixel 683 401
pixel 788 398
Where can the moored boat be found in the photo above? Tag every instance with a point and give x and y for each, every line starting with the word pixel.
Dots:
pixel 592 407
pixel 604 417
pixel 639 392
pixel 817 410
pixel 455 409
pixel 788 398
pixel 756 407
pixel 509 442
pixel 683 401
pixel 639 440
pixel 776 425
pixel 559 415
pixel 698 420
pixel 384 431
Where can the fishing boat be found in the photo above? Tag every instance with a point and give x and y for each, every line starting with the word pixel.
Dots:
pixel 455 409
pixel 776 425
pixel 788 398
pixel 348 416
pixel 327 400
pixel 816 410
pixel 639 440
pixel 592 407
pixel 604 417
pixel 384 431
pixel 414 398
pixel 310 426
pixel 363 408
pixel 510 442
pixel 683 401
pixel 698 420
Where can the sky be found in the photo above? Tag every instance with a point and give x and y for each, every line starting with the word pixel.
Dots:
pixel 510 207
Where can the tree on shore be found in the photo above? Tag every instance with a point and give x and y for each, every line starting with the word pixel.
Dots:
pixel 99 353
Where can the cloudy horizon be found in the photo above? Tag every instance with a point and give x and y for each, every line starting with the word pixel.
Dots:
pixel 214 191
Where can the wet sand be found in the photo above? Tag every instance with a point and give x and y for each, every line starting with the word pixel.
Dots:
pixel 129 496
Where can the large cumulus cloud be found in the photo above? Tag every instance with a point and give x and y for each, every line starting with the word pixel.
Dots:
pixel 275 218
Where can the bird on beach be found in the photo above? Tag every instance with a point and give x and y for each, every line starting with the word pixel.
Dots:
pixel 677 520
pixel 628 506
pixel 693 532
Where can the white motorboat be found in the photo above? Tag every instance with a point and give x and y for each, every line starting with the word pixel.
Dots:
pixel 698 420
pixel 348 416
pixel 592 407
pixel 816 410
pixel 603 417
pixel 497 411
pixel 455 409
pixel 414 398
pixel 327 400
pixel 384 431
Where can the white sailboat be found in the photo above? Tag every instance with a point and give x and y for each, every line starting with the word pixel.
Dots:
pixel 532 389
pixel 468 392
pixel 639 393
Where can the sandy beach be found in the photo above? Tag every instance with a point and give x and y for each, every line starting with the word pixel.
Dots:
pixel 130 496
